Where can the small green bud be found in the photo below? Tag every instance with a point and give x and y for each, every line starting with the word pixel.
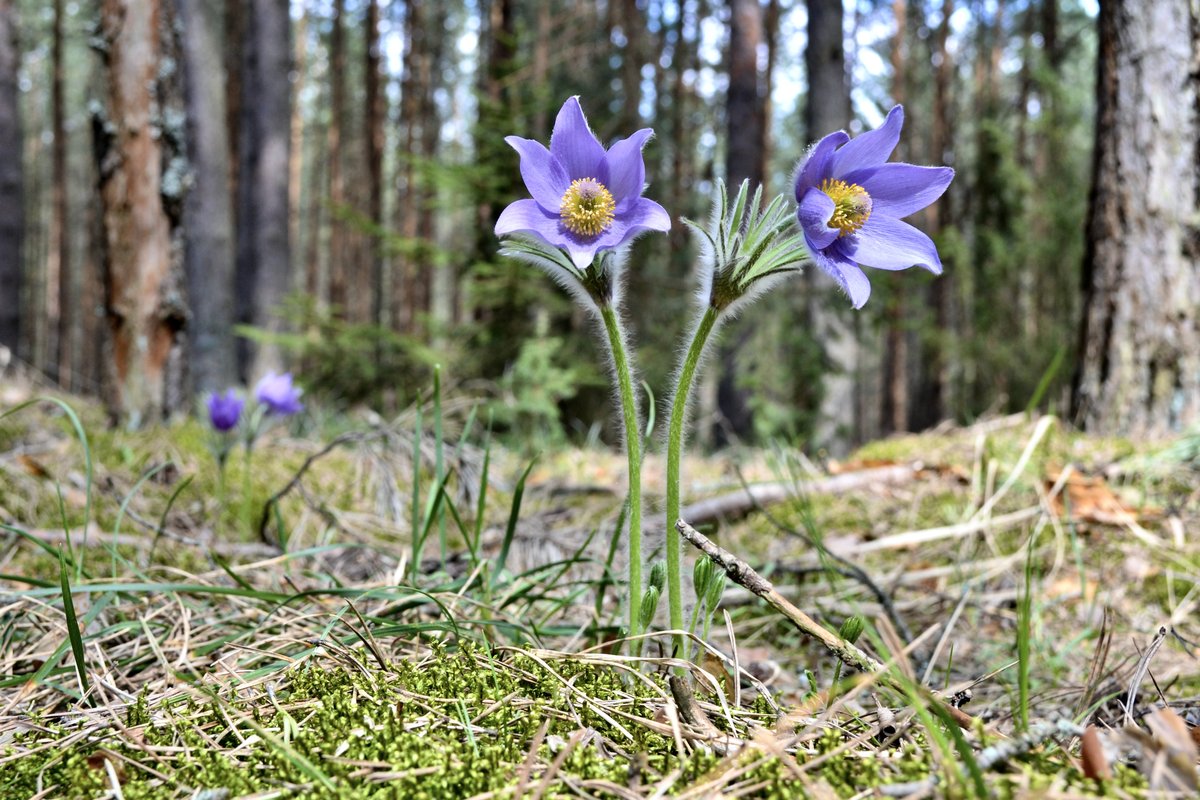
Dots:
pixel 716 588
pixel 658 575
pixel 852 628
pixel 701 575
pixel 649 605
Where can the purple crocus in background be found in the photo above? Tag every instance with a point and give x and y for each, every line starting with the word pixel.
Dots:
pixel 278 394
pixel 585 198
pixel 851 201
pixel 224 410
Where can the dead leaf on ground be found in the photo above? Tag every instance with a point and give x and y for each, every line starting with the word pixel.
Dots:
pixel 1089 499
pixel 34 467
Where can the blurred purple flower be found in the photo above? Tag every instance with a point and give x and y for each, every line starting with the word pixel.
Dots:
pixel 224 410
pixel 278 394
pixel 851 201
pixel 585 199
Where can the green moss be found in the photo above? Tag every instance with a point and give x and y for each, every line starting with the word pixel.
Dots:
pixel 406 721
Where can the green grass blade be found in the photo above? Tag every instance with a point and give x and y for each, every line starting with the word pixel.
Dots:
pixel 73 630
pixel 510 529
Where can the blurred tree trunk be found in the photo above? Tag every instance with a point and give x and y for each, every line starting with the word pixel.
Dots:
pixel 632 23
pixel 208 209
pixel 263 246
pixel 936 402
pixel 145 311
pixel 12 211
pixel 827 109
pixel 373 137
pixel 404 281
pixel 297 234
pixel 235 34
pixel 432 283
pixel 895 358
pixel 746 133
pixel 1139 368
pixel 339 278
pixel 59 306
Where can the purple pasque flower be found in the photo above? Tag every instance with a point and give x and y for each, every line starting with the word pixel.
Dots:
pixel 851 201
pixel 585 198
pixel 278 394
pixel 224 410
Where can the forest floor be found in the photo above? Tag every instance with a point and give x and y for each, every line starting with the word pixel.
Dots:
pixel 156 641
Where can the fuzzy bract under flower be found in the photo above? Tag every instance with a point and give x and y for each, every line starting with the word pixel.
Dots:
pixel 224 410
pixel 585 198
pixel 279 394
pixel 851 201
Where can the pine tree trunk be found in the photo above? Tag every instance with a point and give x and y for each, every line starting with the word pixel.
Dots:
pixel 830 319
pixel 936 401
pixel 263 245
pixel 1139 370
pixel 144 309
pixel 895 359
pixel 405 308
pixel 208 211
pixel 373 137
pixel 339 267
pixel 429 291
pixel 56 361
pixel 12 210
pixel 746 138
pixel 297 232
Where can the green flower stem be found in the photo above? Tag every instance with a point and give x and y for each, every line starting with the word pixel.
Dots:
pixel 633 439
pixel 683 390
pixel 247 500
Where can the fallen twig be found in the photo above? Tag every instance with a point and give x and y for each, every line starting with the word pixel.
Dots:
pixel 334 443
pixel 740 503
pixel 744 575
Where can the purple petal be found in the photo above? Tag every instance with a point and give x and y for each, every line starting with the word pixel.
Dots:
pixel 853 280
pixel 573 143
pixel 544 177
pixel 899 189
pixel 623 171
pixel 647 215
pixel 814 212
pixel 526 216
pixel 887 243
pixel 816 167
pixel 870 149
pixel 856 284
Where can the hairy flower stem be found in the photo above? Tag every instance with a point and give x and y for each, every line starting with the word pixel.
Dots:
pixel 633 439
pixel 683 390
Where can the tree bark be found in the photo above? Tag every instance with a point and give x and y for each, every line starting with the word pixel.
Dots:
pixel 12 209
pixel 405 308
pixel 936 401
pixel 296 231
pixel 263 244
pixel 827 109
pixel 373 137
pixel 144 310
pixel 746 140
pixel 431 285
pixel 1139 371
pixel 339 267
pixel 208 211
pixel 895 360
pixel 59 305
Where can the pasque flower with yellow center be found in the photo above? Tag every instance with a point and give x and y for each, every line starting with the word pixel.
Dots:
pixel 851 201
pixel 585 198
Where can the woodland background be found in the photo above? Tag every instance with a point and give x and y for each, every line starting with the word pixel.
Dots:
pixel 193 192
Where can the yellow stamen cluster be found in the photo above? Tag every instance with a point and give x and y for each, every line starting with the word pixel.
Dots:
pixel 851 205
pixel 587 207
